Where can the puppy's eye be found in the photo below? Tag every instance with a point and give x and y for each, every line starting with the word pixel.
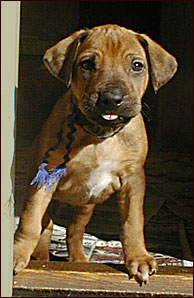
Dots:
pixel 137 66
pixel 88 64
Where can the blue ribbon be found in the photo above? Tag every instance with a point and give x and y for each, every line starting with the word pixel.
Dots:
pixel 47 180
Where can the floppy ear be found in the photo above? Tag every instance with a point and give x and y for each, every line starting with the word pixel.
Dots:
pixel 163 65
pixel 59 59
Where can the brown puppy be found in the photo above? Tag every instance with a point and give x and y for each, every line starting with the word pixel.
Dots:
pixel 102 144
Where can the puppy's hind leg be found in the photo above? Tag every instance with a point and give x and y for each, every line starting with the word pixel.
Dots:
pixel 75 232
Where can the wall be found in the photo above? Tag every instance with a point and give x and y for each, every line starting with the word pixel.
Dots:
pixel 175 109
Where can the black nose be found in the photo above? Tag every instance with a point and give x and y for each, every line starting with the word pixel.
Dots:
pixel 110 98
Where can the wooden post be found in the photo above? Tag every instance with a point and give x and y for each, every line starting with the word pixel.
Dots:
pixel 10 13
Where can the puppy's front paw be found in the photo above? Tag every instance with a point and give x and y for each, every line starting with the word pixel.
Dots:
pixel 141 267
pixel 20 262
pixel 21 257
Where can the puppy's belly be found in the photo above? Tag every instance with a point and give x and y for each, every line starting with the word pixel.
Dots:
pixel 92 187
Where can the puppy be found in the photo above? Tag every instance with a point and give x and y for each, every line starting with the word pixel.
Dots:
pixel 94 143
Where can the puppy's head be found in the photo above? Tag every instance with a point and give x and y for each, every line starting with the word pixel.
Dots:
pixel 108 70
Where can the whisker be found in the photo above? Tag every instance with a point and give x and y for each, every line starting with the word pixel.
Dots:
pixel 146 105
pixel 146 116
pixel 146 111
pixel 86 95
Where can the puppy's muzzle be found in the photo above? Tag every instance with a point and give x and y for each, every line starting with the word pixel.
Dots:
pixel 110 99
pixel 111 105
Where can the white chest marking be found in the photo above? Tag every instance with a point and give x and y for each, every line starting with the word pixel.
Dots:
pixel 100 178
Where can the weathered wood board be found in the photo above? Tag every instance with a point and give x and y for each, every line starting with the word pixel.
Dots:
pixel 58 279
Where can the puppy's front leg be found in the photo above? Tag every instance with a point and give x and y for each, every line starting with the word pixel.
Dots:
pixel 30 227
pixel 138 261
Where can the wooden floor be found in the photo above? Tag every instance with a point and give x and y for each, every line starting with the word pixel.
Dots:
pixel 59 279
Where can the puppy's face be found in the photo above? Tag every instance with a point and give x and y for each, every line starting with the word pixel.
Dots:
pixel 107 69
pixel 110 76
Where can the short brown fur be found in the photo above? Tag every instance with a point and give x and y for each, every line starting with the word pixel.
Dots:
pixel 97 167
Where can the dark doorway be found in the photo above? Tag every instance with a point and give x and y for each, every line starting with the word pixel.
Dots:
pixel 168 115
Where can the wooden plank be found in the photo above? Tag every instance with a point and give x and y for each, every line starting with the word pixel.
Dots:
pixel 98 280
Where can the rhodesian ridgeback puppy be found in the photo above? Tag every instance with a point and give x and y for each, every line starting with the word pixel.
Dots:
pixel 94 143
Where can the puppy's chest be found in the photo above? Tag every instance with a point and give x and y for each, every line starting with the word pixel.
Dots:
pixel 89 180
pixel 103 180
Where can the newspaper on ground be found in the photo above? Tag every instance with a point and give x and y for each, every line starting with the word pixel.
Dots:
pixel 101 251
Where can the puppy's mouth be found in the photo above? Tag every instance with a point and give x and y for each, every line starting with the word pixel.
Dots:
pixel 110 117
pixel 88 114
pixel 115 117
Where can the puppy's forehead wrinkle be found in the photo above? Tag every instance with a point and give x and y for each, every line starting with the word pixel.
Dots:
pixel 111 38
pixel 111 29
